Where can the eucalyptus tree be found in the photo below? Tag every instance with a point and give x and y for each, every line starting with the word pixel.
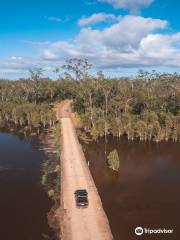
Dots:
pixel 124 93
pixel 116 127
pixel 76 68
pixel 35 76
pixel 106 86
pixel 141 130
pixel 88 89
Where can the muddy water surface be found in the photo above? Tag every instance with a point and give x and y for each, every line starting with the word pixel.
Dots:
pixel 145 192
pixel 23 203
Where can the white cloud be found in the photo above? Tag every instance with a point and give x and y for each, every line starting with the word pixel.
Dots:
pixel 133 5
pixel 161 49
pixel 58 20
pixel 36 43
pixel 19 63
pixel 16 58
pixel 132 42
pixel 90 3
pixel 54 19
pixel 126 33
pixel 97 18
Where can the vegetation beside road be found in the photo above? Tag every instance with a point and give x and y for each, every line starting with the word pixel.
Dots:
pixel 146 107
pixel 51 172
pixel 51 167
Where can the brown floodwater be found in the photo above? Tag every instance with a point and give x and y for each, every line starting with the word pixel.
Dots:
pixel 146 190
pixel 23 202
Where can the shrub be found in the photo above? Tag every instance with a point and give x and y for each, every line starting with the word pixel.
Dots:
pixel 113 160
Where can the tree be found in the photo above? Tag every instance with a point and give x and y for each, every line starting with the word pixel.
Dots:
pixel 146 108
pixel 106 87
pixel 35 76
pixel 100 75
pixel 113 160
pixel 76 68
pixel 141 130
pixel 88 90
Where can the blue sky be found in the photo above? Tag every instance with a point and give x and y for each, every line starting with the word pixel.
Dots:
pixel 117 36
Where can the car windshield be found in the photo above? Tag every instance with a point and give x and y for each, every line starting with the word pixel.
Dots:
pixel 81 199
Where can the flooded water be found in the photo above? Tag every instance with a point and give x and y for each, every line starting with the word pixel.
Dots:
pixel 146 191
pixel 23 203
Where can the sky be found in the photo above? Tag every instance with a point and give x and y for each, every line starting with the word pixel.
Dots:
pixel 116 36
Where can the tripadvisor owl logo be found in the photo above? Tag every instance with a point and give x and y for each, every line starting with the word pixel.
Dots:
pixel 139 231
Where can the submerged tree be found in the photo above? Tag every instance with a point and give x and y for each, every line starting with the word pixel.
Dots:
pixel 113 160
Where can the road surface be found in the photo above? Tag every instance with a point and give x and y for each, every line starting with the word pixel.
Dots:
pixel 78 224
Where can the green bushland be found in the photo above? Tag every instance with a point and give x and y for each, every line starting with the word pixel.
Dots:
pixel 146 107
pixel 27 117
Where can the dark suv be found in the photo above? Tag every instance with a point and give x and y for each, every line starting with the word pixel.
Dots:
pixel 81 197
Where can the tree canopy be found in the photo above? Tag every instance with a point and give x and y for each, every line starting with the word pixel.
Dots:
pixel 146 107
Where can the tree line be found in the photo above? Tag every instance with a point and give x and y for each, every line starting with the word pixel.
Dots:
pixel 146 107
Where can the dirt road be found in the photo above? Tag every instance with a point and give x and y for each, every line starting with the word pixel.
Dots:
pixel 78 224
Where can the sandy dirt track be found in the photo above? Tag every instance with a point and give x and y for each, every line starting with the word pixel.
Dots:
pixel 78 224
